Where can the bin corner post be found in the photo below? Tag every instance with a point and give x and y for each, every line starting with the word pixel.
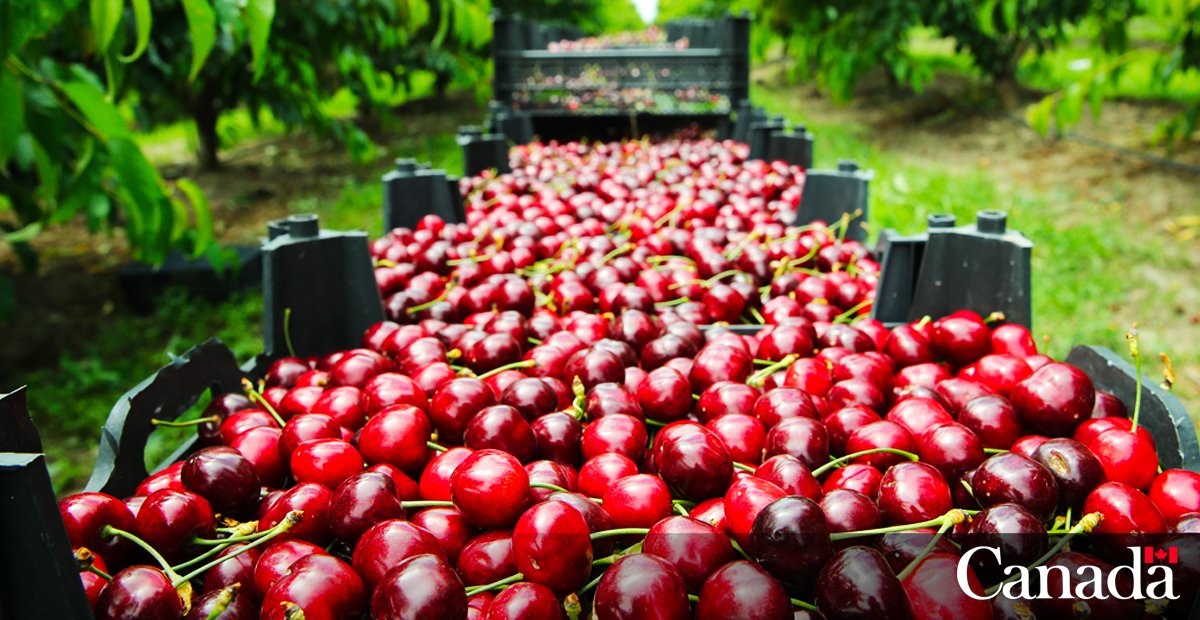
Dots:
pixel 794 146
pixel 319 289
pixel 38 574
pixel 831 195
pixel 1162 413
pixel 506 38
pixel 983 267
pixel 411 191
pixel 900 264
pixel 482 151
pixel 739 39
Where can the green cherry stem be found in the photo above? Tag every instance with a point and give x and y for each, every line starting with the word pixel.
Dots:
pixel 110 531
pixel 621 531
pixel 838 462
pixel 802 605
pixel 1086 524
pixel 951 519
pixel 286 524
pixel 760 377
pixel 186 423
pixel 1135 353
pixel 744 467
pixel 427 503
pixel 224 600
pixel 547 485
pixel 255 396
pixel 898 528
pixel 511 579
pixel 513 366
pixel 437 447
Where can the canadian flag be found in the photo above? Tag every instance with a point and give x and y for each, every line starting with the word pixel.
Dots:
pixel 1150 555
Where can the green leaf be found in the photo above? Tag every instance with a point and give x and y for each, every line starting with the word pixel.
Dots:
pixel 106 16
pixel 1009 9
pixel 1069 108
pixel 259 15
pixel 12 114
pixel 24 235
pixel 201 212
pixel 142 189
pixel 202 26
pixel 1037 115
pixel 447 14
pixel 102 115
pixel 144 18
pixel 48 173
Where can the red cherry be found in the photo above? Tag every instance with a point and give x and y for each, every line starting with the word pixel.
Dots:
pixel 552 547
pixel 311 498
pixel 169 519
pixel 640 500
pixel 361 501
pixel 525 600
pixel 1130 519
pixel 388 543
pixel 743 501
pixel 1127 456
pixel 275 561
pixel 911 493
pixel 320 586
pixel 139 592
pixel 855 477
pixel 224 477
pixel 882 434
pixel 742 589
pixel 325 461
pixel 695 548
pixel 85 516
pixel 641 586
pixel 618 433
pixel 599 473
pixel 1176 492
pixel 261 447
pixel 929 597
pixel 1054 399
pixel 490 488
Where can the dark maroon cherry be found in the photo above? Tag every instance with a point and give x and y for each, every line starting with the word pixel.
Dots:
pixel 422 586
pixel 455 404
pixel 993 419
pixel 695 548
pixel 1075 468
pixel 224 477
pixel 849 511
pixel 641 586
pixel 741 589
pixel 359 502
pixel 501 427
pixel 858 583
pixel 803 438
pixel 790 539
pixel 1010 477
pixel 901 548
pixel 1017 533
pixel 139 592
pixel 1054 399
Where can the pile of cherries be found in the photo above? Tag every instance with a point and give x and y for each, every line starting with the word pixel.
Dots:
pixel 544 430
pixel 628 466
pixel 653 37
pixel 682 230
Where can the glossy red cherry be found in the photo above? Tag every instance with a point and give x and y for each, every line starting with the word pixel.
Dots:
pixel 1130 519
pixel 386 544
pixel 311 498
pixel 911 493
pixel 503 428
pixel 882 434
pixel 612 398
pixel 725 397
pixel 455 403
pixel 490 488
pixel 487 557
pixel 789 474
pixel 849 511
pixel 361 501
pixel 552 547
pixel 1176 492
pixel 224 477
pixel 803 438
pixel 85 516
pixel 855 477
pixel 396 435
pixel 952 448
pixel 1127 456
pixel 1017 533
pixel 617 433
pixel 993 419
pixel 929 597
pixel 692 461
pixel 742 589
pixel 237 569
pixel 169 519
pixel 261 447
pixel 139 592
pixel 422 586
pixel 743 501
pixel 744 436
pixel 695 548
pixel 640 500
pixel 306 427
pixel 1075 468
pixel 1011 477
pixel 961 340
pixel 525 600
pixel 641 586
pixel 319 586
pixel 325 461
pixel 790 539
pixel 435 480
pixel 1054 399
pixel 858 583
pixel 665 395
pixel 275 560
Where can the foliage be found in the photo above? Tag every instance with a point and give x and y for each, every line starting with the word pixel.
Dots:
pixel 1174 56
pixel 65 149
pixel 590 16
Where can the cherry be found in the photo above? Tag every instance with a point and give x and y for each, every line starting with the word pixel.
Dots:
pixel 1127 456
pixel 1129 519
pixel 918 415
pixel 346 405
pixel 743 501
pixel 1108 406
pixel 531 396
pixel 957 392
pixel 1011 477
pixel 1013 339
pixel 283 371
pixel 858 583
pixel 695 548
pixel 598 519
pixel 743 436
pixel 396 435
pixel 1087 431
pixel 668 346
pixel 790 539
pixel 490 488
pixel 299 400
pixel 1016 532
pixel 237 569
pixel 305 427
pixel 525 600
pixel 1072 563
pixel 640 500
pixel 325 461
pixel 1027 446
pixel 617 433
pixel 169 519
pixel 849 511
pixel 803 438
pixel 993 419
pixel 552 547
pixel 1054 399
pixel 927 375
pixel 1001 372
pixel 882 434
pixel 85 516
pixel 854 477
pixel 793 338
pixel 719 363
pixel 361 501
pixel 139 592
pixel 319 586
pixel 599 473
pixel 725 397
pixel 908 346
pixel 852 392
pixel 501 427
pixel 901 548
pixel 311 498
pixel 665 395
pixel 448 527
pixel 781 403
pixel 961 340
pixel 911 493
pixel 487 558
pixel 950 447
pixel 275 561
pixel 594 366
pixel 455 403
pixel 261 447
pixel 224 477
pixel 741 589
pixel 811 375
pixel 244 420
pixel 692 461
pixel 390 389
pixel 1075 468
pixel 170 477
pixel 478 605
pixel 1176 492
pixel 386 544
pixel 841 423
pixel 930 597
pixel 357 367
pixel 641 586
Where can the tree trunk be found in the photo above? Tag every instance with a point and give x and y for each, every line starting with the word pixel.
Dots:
pixel 205 112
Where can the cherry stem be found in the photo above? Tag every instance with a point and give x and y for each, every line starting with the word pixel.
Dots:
pixel 693 598
pixel 994 450
pixel 287 331
pixel 283 526
pixel 604 561
pixel 432 302
pixel 224 600
pixel 87 562
pixel 147 547
pixel 427 503
pixel 96 570
pixel 802 605
pixel 850 314
pixel 186 423
pixel 533 341
pixel 951 519
pixel 435 446
pixel 513 366
pixel 760 377
pixel 674 302
pixel 720 276
pixel 231 539
pixel 623 249
pixel 900 528
pixel 737 547
pixel 744 467
pixel 511 579
pixel 202 557
pixel 655 423
pixel 680 509
pixel 547 485
pixel 621 531
pixel 1085 525
pixel 838 462
pixel 1136 354
pixel 255 396
pixel 758 316
pixel 995 317
pixel 758 362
